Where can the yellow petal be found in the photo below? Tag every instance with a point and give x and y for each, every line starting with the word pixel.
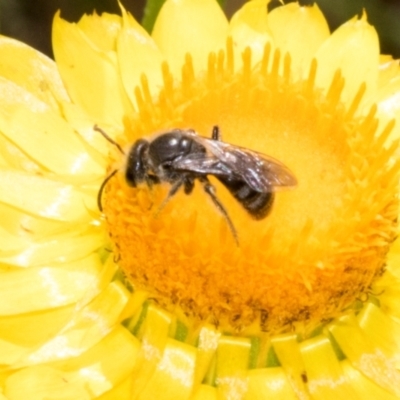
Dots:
pixel 365 388
pixel 190 26
pixel 13 157
pixel 43 134
pixel 174 376
pixel 381 330
pixel 366 355
pixel 90 74
pixel 28 227
pixel 88 326
pixel 154 336
pixel 269 383
pixel 300 31
pixel 288 351
pixel 43 382
pixel 134 306
pixel 95 372
pixel 137 55
pixel 389 284
pixel 354 49
pixel 388 101
pixel 23 333
pixel 249 28
pixel 103 367
pixel 205 392
pixel 207 346
pixel 32 70
pixel 34 329
pixel 11 352
pixel 42 197
pixel 121 391
pixel 323 373
pixel 41 288
pixel 11 243
pixel 233 355
pixel 83 124
pixel 388 70
pixel 57 249
pixel 102 30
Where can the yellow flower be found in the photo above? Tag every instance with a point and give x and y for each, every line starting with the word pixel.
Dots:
pixel 305 306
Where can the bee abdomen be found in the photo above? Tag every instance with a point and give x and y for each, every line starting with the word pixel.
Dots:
pixel 257 204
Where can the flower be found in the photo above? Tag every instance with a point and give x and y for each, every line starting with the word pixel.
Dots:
pixel 305 306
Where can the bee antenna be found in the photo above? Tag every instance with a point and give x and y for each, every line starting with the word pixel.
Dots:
pixel 101 190
pixel 98 129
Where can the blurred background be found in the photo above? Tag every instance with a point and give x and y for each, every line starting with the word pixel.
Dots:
pixel 30 20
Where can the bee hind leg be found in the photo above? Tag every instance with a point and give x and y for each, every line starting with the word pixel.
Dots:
pixel 210 190
pixel 216 133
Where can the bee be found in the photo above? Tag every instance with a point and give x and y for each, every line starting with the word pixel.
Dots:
pixel 181 156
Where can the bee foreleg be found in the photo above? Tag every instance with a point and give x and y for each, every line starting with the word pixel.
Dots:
pixel 174 188
pixel 210 190
pixel 151 180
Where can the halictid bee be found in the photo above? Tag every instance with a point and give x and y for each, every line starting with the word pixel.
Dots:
pixel 180 157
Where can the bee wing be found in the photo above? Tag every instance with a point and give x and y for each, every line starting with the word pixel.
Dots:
pixel 261 172
pixel 202 163
pixel 210 162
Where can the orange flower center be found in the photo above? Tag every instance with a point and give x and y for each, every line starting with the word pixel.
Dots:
pixel 324 241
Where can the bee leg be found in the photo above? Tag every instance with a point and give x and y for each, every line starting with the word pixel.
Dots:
pixel 210 190
pixel 174 188
pixel 151 180
pixel 188 185
pixel 216 133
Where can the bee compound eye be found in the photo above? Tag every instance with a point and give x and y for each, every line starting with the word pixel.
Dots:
pixel 136 166
pixel 130 178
